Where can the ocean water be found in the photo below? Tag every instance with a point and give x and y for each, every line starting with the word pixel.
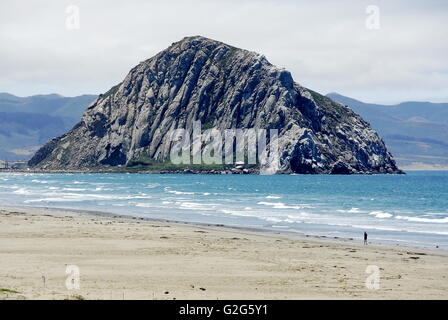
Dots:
pixel 407 209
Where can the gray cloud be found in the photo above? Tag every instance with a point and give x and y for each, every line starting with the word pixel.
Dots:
pixel 325 45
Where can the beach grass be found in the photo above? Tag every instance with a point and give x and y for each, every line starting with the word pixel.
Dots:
pixel 5 290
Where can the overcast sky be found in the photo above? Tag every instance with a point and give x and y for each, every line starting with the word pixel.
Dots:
pixel 326 45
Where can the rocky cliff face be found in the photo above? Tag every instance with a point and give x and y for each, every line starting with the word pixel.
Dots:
pixel 223 87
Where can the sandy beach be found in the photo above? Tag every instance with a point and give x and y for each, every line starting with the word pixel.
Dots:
pixel 125 258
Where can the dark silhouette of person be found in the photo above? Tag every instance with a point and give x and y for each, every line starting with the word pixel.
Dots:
pixel 365 238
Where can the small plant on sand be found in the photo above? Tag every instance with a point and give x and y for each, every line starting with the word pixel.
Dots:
pixel 4 290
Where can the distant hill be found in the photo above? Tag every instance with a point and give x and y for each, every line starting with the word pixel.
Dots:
pixel 416 133
pixel 28 122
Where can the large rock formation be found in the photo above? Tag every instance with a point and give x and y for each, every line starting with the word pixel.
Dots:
pixel 223 87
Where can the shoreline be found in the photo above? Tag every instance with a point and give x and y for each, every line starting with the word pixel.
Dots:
pixel 293 235
pixel 129 258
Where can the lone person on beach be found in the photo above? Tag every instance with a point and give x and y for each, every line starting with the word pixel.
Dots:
pixel 365 238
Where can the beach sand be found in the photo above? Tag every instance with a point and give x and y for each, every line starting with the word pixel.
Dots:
pixel 125 258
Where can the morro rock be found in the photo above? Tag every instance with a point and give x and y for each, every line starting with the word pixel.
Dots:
pixel 223 87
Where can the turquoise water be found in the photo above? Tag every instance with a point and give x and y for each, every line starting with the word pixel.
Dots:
pixel 411 209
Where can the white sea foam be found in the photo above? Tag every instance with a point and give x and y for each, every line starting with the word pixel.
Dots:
pixel 352 210
pixel 273 219
pixel 239 213
pixel 197 206
pixel 380 214
pixel 373 227
pixel 142 196
pixel 168 189
pixel 23 191
pixel 9 187
pixel 146 205
pixel 232 212
pixel 179 192
pixel 77 197
pixel 48 200
pixel 74 189
pixel 39 181
pixel 152 185
pixel 438 213
pixel 395 229
pixel 419 219
pixel 278 205
pixel 102 189
pixel 273 197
